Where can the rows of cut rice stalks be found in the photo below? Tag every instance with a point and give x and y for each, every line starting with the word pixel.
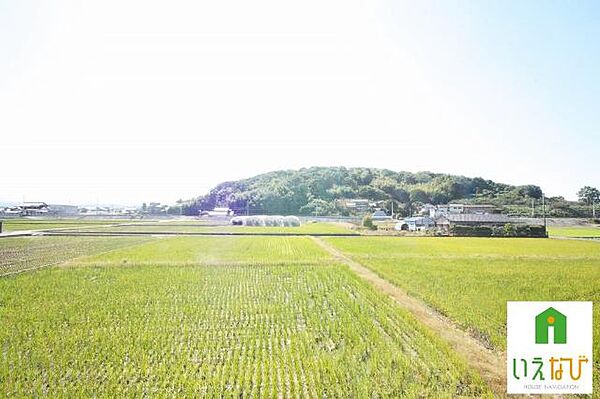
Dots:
pixel 21 254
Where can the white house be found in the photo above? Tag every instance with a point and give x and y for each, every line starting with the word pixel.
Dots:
pixel 217 212
pixel 417 223
pixel 457 209
pixel 357 204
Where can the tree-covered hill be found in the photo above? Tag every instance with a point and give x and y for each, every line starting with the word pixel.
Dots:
pixel 317 191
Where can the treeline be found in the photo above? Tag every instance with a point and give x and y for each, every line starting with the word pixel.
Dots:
pixel 316 191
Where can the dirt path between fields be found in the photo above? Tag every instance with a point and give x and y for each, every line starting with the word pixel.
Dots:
pixel 490 365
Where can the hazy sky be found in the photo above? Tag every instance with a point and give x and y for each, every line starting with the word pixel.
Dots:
pixel 126 101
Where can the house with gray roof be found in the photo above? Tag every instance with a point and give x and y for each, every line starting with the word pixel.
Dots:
pixel 447 223
pixel 417 223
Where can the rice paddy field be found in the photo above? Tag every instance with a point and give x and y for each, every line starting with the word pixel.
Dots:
pixel 578 232
pixel 207 228
pixel 22 254
pixel 45 223
pixel 470 279
pixel 208 316
pixel 266 316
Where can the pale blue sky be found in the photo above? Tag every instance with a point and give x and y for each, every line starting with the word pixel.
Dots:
pixel 129 102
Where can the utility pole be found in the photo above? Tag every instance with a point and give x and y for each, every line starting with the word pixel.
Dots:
pixel 533 207
pixel 392 209
pixel 594 209
pixel 544 209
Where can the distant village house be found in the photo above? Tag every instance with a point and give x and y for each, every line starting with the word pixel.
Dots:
pixel 217 212
pixel 380 215
pixel 468 219
pixel 357 204
pixel 417 223
pixel 435 211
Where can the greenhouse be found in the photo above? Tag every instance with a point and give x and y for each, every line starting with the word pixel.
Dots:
pixel 266 220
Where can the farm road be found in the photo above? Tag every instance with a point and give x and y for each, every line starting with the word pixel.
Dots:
pixel 490 365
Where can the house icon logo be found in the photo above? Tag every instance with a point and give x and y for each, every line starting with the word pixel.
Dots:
pixel 539 358
pixel 551 318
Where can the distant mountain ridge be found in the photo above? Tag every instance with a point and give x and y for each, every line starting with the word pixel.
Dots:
pixel 317 191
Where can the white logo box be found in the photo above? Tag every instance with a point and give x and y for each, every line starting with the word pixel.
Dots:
pixel 521 345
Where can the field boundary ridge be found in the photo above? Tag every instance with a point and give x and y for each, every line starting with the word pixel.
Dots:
pixel 491 365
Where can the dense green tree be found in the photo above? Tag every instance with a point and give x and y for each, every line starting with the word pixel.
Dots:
pixel 317 207
pixel 439 197
pixel 372 193
pixel 339 192
pixel 319 189
pixel 589 195
pixel 531 191
pixel 418 195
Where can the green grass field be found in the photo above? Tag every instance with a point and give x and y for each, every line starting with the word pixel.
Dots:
pixel 580 232
pixel 215 316
pixel 470 279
